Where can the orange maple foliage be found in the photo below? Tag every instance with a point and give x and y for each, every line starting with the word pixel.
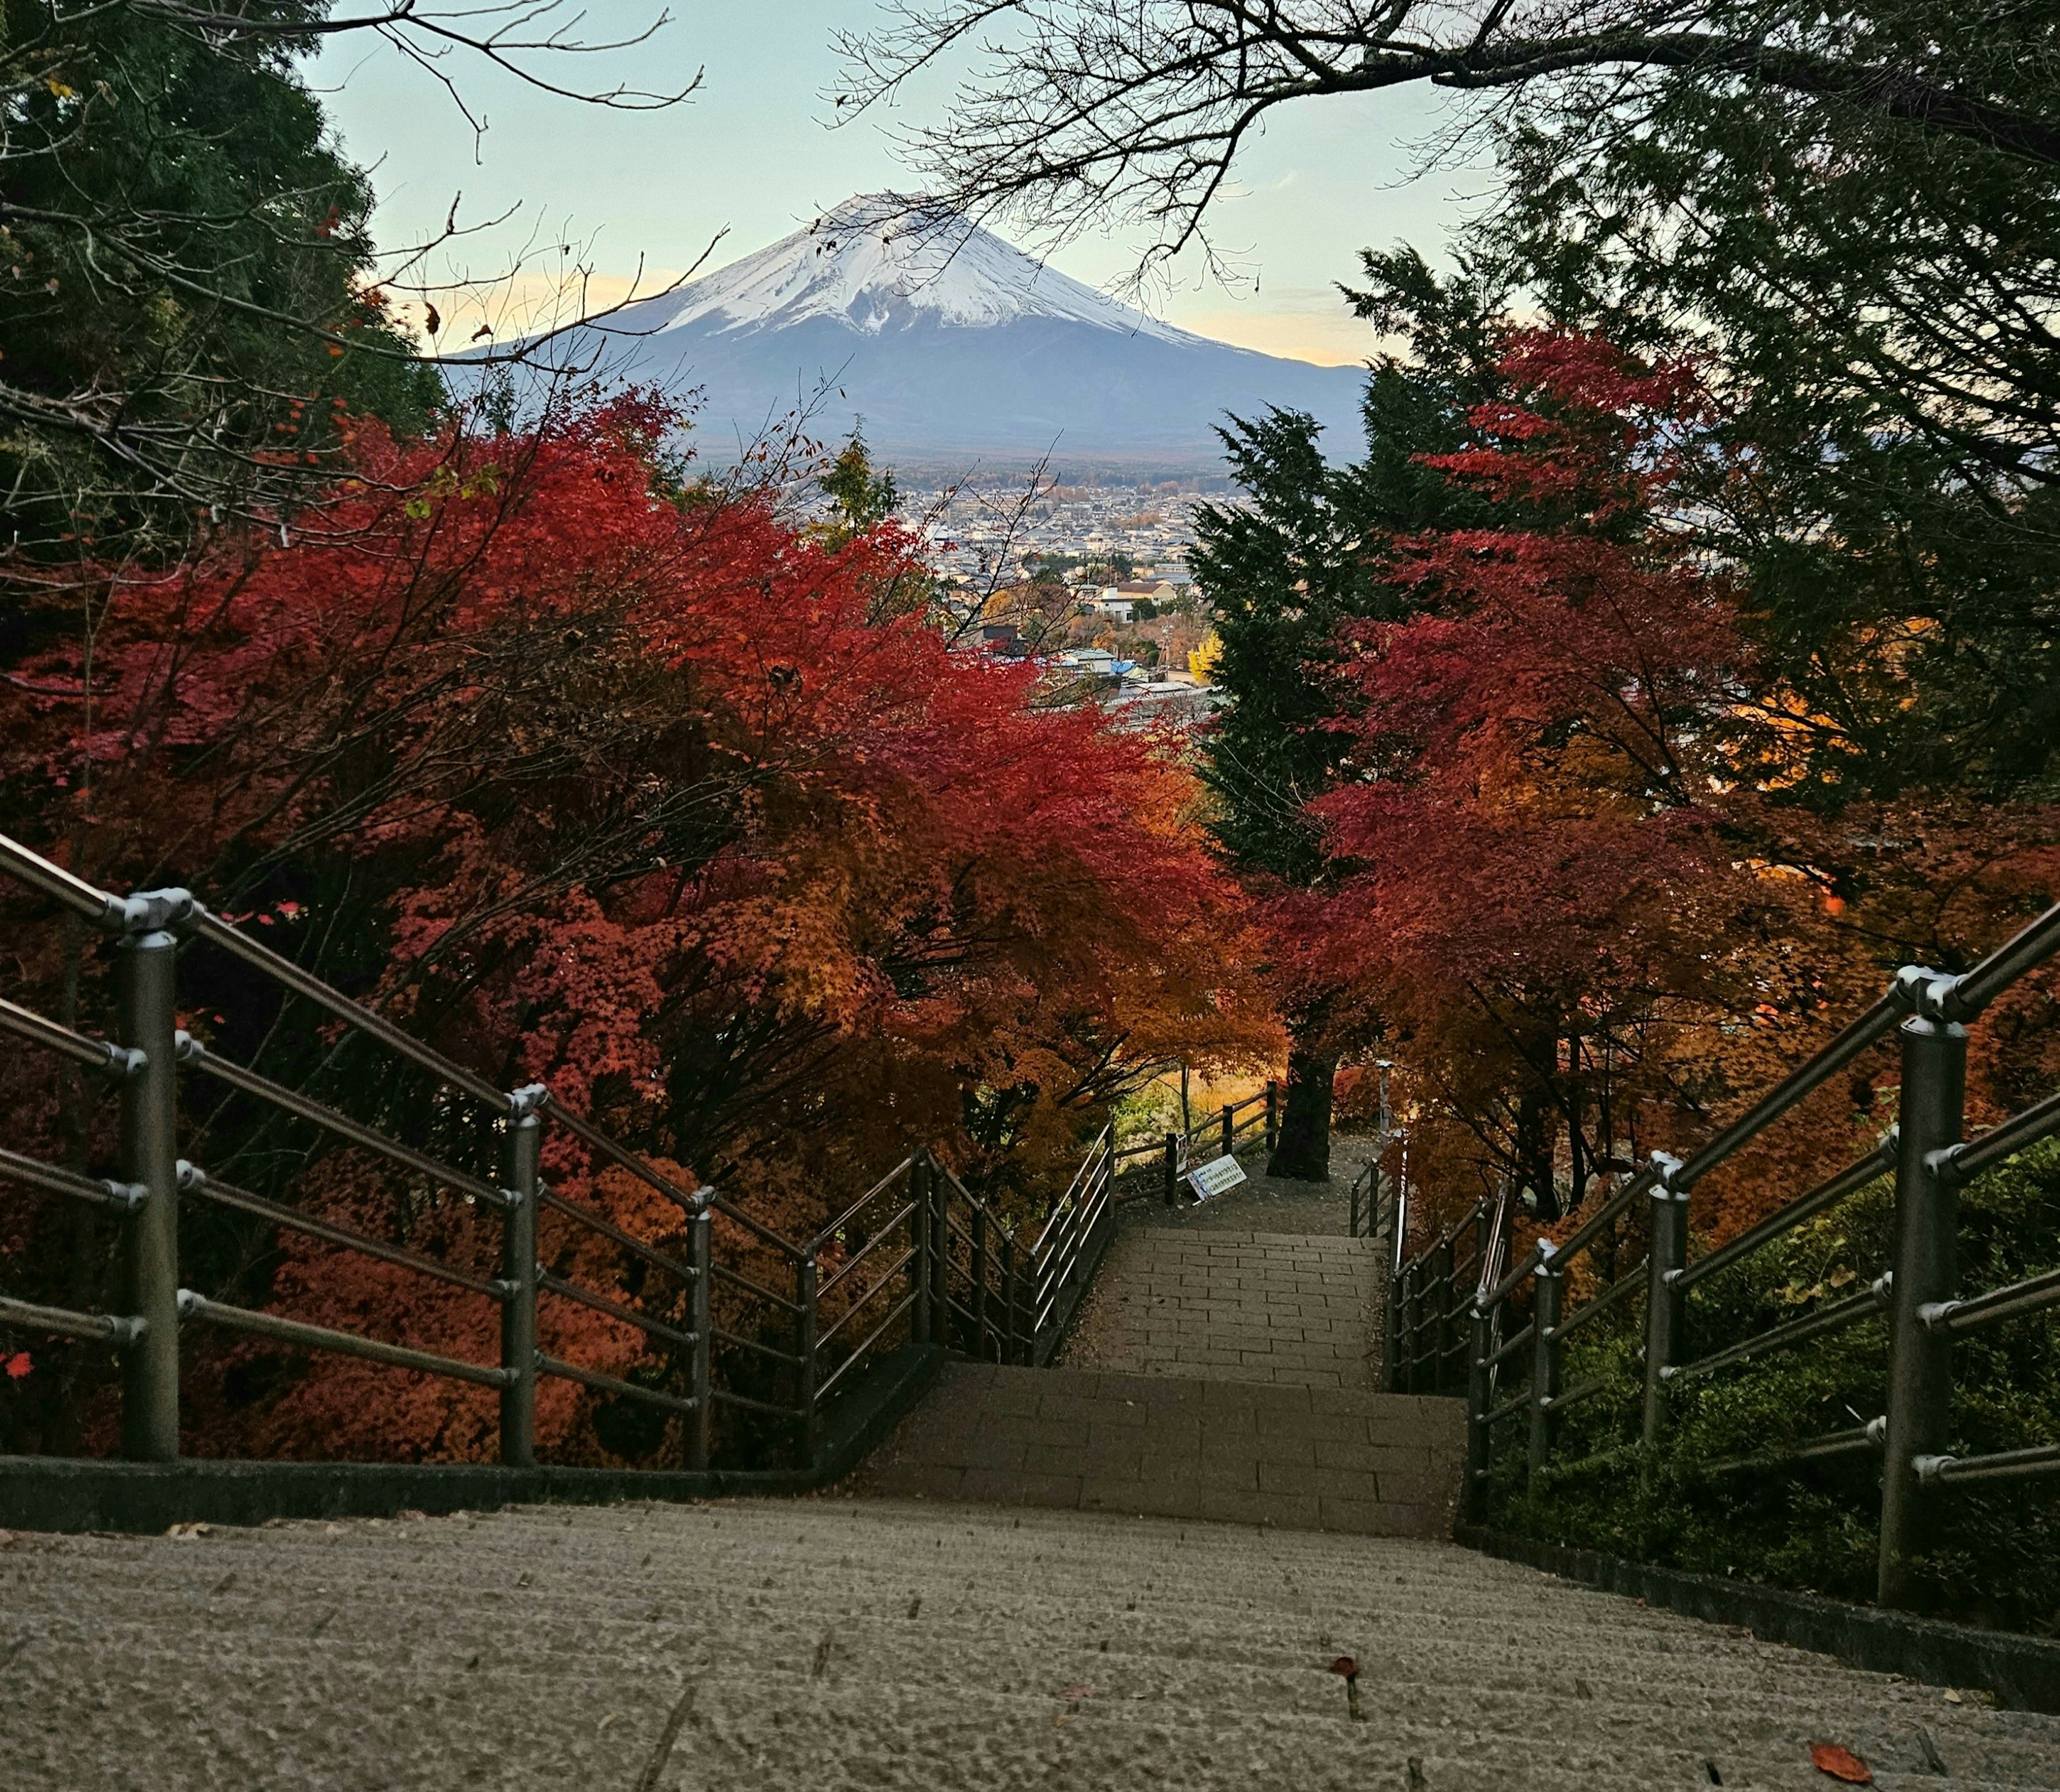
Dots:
pixel 1579 893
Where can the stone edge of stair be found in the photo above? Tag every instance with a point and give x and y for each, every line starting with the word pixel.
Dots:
pixel 2021 1671
pixel 78 1493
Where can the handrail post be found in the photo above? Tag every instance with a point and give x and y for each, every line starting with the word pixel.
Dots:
pixel 1229 1130
pixel 1172 1170
pixel 1548 1285
pixel 1665 1303
pixel 1442 1274
pixel 700 1259
pixel 920 1324
pixel 1413 1285
pixel 1391 1356
pixel 979 1301
pixel 1272 1113
pixel 149 1024
pixel 1473 1496
pixel 518 1279
pixel 1008 1350
pixel 804 1298
pixel 940 1255
pixel 1927 1213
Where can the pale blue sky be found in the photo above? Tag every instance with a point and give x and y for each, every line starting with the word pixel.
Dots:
pixel 750 152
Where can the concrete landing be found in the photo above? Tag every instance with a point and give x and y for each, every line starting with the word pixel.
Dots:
pixel 884 1646
pixel 1310 1458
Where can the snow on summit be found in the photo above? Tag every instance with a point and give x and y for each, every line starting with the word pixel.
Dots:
pixel 879 262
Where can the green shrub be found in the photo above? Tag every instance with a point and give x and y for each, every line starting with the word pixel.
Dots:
pixel 1993 1558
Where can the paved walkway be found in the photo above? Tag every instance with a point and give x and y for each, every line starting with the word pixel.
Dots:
pixel 760 1647
pixel 1262 1203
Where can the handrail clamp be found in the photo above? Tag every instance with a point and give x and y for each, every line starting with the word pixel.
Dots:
pixel 1931 995
pixel 173 911
pixel 1665 1167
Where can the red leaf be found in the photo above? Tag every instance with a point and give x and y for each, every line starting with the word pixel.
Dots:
pixel 1840 1763
pixel 1345 1665
pixel 19 1366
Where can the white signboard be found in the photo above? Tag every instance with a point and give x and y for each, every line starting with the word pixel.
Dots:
pixel 1214 1176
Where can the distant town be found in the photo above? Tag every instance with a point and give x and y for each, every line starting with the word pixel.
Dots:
pixel 1091 580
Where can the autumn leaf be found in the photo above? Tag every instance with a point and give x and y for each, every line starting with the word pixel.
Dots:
pixel 19 1366
pixel 1840 1763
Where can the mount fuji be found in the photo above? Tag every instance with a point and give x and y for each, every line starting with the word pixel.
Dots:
pixel 943 339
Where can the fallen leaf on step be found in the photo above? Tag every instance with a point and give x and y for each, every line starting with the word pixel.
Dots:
pixel 1840 1763
pixel 1073 1695
pixel 185 1532
pixel 1345 1665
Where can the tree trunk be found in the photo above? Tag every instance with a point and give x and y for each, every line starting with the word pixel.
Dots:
pixel 1303 1151
pixel 1534 1139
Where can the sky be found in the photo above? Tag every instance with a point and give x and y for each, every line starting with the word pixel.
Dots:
pixel 749 158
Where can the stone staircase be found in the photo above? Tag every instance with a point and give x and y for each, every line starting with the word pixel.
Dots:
pixel 927 1637
pixel 1211 1375
pixel 1310 1459
pixel 883 1646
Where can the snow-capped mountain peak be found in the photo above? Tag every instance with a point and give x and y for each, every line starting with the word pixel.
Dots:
pixel 881 262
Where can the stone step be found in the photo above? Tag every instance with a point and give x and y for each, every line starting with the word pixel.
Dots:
pixel 1310 1459
pixel 761 1646
pixel 1233 1306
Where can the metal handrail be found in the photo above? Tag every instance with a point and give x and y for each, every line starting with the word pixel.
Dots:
pixel 550 1283
pixel 123 1196
pixel 827 1233
pixel 113 1327
pixel 1968 1159
pixel 1869 1169
pixel 95 1054
pixel 343 1343
pixel 193 1180
pixel 611 1384
pixel 857 1306
pixel 881 1233
pixel 608 1230
pixel 1593 1228
pixel 2024 951
pixel 1015 1299
pixel 1632 1282
pixel 284 971
pixel 1929 1159
pixel 104 911
pixel 249 1082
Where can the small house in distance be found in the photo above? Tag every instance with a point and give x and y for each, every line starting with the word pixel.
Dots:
pixel 1120 603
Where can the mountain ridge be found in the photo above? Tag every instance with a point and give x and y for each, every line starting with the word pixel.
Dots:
pixel 938 337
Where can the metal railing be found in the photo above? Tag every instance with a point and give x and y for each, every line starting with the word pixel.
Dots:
pixel 1924 1309
pixel 917 1260
pixel 1227 1132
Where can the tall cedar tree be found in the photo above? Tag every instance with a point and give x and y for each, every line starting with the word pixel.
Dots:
pixel 1306 553
pixel 1878 305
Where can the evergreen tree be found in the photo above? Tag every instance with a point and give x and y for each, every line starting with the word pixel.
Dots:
pixel 184 263
pixel 1878 305
pixel 1286 570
